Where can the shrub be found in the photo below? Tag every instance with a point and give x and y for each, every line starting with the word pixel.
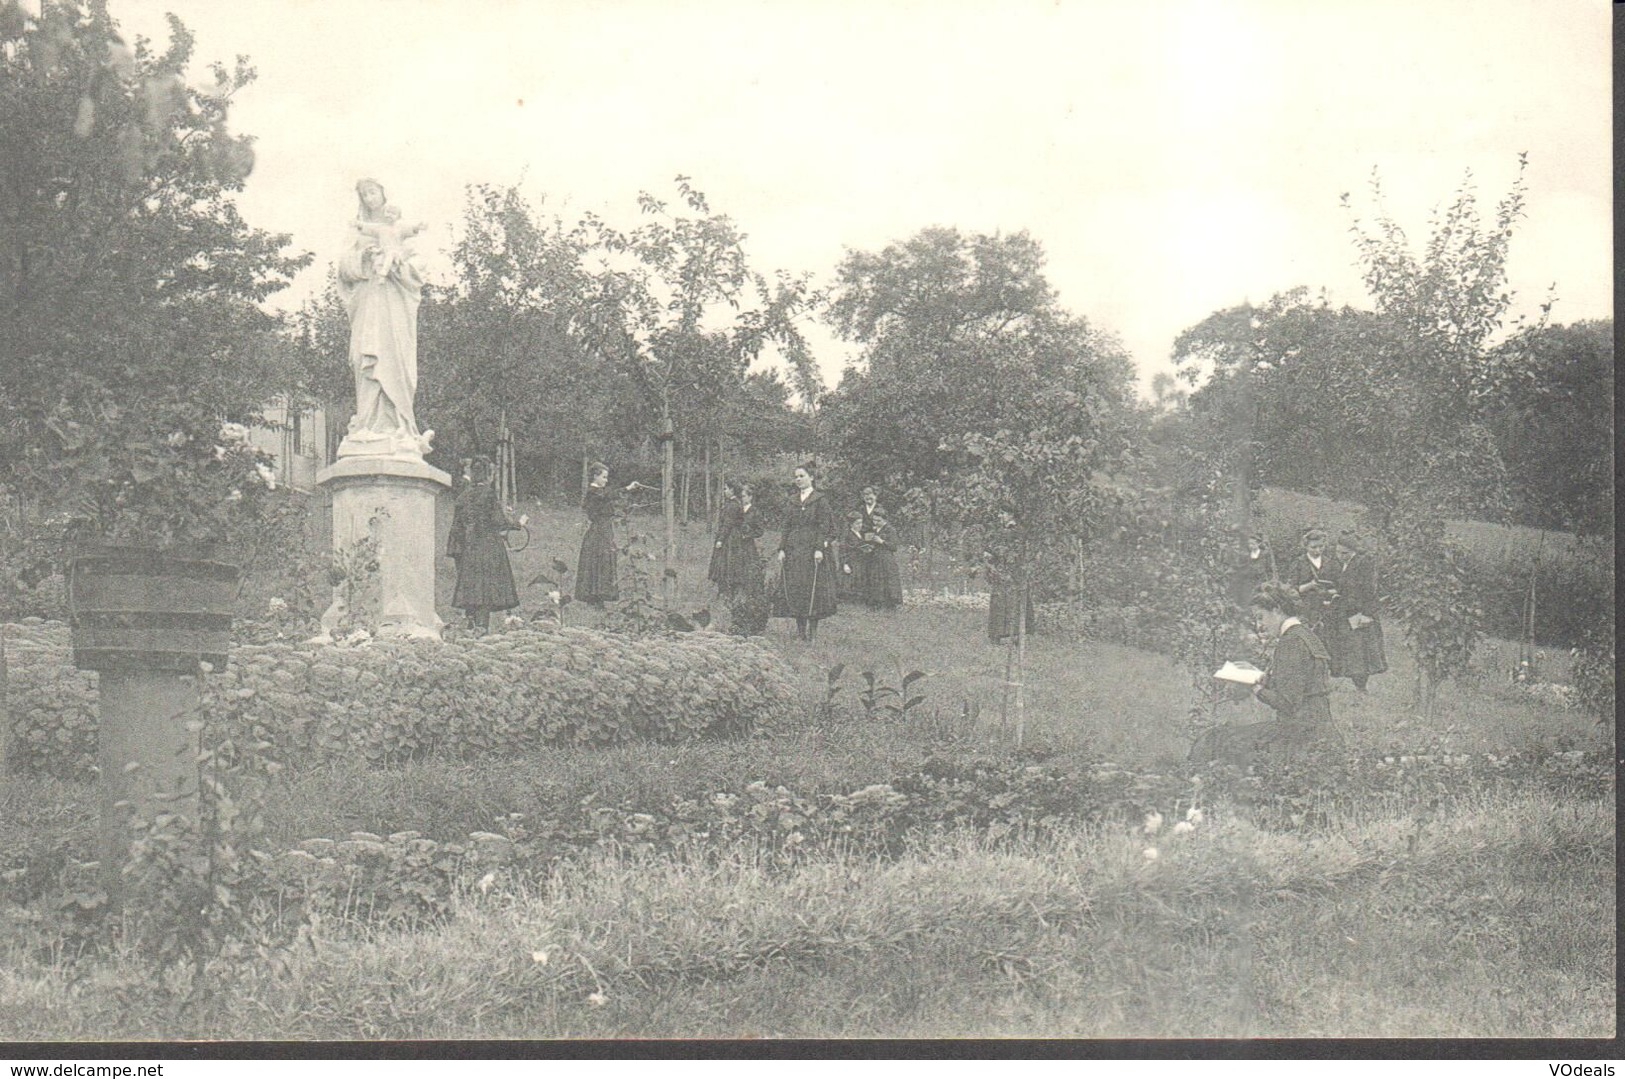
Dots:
pixel 390 701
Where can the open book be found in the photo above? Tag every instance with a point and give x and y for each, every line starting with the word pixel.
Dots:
pixel 1243 673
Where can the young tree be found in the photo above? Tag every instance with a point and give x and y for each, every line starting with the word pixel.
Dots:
pixel 672 295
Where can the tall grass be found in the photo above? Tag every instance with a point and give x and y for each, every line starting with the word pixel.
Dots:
pixel 1491 920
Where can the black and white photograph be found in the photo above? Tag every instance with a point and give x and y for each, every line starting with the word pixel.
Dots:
pixel 528 523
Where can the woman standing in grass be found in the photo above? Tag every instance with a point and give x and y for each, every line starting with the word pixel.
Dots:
pixel 1314 579
pixel 595 567
pixel 736 562
pixel 484 577
pixel 882 583
pixel 1356 647
pixel 1297 683
pixel 806 558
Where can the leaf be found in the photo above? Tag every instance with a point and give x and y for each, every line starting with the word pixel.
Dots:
pixel 911 677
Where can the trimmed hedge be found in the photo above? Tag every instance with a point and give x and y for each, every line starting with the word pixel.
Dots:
pixel 390 701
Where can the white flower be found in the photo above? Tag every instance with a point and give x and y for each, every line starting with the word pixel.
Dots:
pixel 513 620
pixel 220 453
pixel 276 604
pixel 1193 815
pixel 597 1000
pixel 266 474
pixel 235 496
pixel 554 596
pixel 539 957
pixel 1153 822
pixel 1184 826
pixel 1264 365
pixel 1150 854
pixel 177 439
pixel 233 432
pixel 486 882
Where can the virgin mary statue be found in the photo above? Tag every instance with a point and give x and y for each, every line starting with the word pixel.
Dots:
pixel 381 287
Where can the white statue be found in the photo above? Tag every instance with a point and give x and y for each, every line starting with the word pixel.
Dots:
pixel 381 286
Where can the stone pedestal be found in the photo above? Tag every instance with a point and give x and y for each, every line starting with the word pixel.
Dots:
pixel 148 753
pixel 394 499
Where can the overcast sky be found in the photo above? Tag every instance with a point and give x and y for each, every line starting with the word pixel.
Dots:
pixel 1172 157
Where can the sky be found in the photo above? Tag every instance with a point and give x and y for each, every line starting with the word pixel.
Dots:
pixel 1173 157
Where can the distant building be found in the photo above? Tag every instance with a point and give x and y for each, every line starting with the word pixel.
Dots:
pixel 299 439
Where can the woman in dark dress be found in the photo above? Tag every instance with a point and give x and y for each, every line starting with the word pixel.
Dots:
pixel 484 577
pixel 1003 612
pixel 1314 579
pixel 882 582
pixel 854 559
pixel 806 558
pixel 595 567
pixel 1357 651
pixel 736 561
pixel 1297 682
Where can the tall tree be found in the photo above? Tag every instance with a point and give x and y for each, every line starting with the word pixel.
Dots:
pixel 932 314
pixel 128 281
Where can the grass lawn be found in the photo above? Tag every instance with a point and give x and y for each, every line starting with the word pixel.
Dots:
pixel 1460 912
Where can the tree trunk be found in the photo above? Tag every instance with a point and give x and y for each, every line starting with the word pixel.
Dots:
pixel 669 509
pixel 1021 657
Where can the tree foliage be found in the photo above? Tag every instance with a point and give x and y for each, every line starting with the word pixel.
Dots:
pixel 955 331
pixel 129 283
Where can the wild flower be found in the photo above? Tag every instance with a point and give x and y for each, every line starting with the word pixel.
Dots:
pixel 598 999
pixel 1150 854
pixel 1194 815
pixel 539 957
pixel 1153 822
pixel 1183 827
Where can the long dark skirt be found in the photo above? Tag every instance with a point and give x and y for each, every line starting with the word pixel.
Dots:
pixel 882 581
pixel 1357 653
pixel 736 566
pixel 1002 612
pixel 595 568
pixel 484 577
pixel 804 592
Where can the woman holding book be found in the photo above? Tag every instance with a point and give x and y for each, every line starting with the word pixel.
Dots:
pixel 1297 682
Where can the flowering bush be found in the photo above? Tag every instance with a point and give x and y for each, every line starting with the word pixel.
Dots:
pixel 189 487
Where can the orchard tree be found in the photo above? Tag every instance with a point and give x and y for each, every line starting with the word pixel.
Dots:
pixel 1443 309
pixel 1392 408
pixel 1044 472
pixel 516 337
pixel 1553 422
pixel 931 315
pixel 673 300
pixel 129 283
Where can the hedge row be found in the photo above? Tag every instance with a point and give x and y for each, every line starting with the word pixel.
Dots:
pixel 389 701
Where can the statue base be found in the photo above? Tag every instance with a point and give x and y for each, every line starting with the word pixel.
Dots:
pixel 392 500
pixel 399 446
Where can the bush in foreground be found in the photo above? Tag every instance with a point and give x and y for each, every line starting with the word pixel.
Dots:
pixel 388 702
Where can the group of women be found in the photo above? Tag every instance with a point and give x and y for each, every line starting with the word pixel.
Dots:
pixel 816 564
pixel 803 582
pixel 1322 616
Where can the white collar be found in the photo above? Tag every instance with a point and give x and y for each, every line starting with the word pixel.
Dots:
pixel 1289 623
pixel 807 494
pixel 1315 562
